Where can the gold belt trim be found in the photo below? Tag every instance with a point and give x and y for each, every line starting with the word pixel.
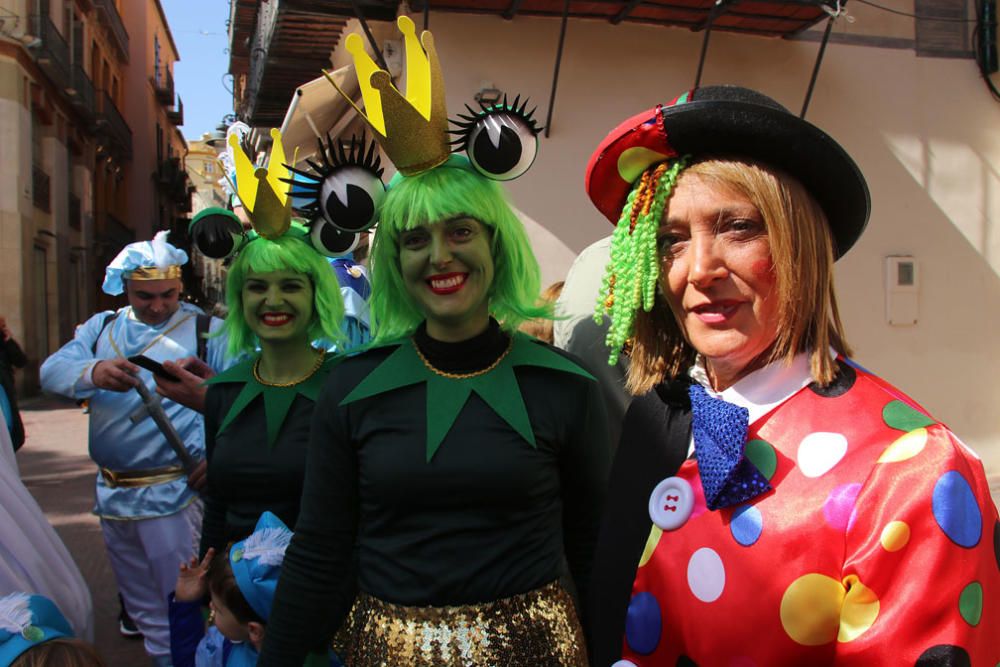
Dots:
pixel 133 478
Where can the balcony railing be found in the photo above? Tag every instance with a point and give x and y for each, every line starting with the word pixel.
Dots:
pixel 82 91
pixel 163 83
pixel 40 189
pixel 74 211
pixel 176 114
pixel 52 52
pixel 109 15
pixel 113 126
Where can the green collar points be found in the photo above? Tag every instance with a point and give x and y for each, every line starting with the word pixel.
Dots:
pixel 277 400
pixel 447 396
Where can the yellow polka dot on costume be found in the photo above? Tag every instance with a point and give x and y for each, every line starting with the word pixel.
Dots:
pixel 810 609
pixel 860 610
pixel 905 447
pixel 895 535
pixel 654 538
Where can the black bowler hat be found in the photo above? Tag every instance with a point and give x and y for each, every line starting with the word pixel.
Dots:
pixel 731 121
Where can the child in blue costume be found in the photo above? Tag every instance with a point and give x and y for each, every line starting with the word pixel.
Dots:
pixel 241 585
pixel 34 632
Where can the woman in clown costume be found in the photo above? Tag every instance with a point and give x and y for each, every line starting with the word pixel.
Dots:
pixel 284 311
pixel 457 462
pixel 772 502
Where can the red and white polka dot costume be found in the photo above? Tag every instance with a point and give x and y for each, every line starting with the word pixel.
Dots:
pixel 879 545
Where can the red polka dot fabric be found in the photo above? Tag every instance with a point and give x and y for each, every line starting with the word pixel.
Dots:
pixel 877 545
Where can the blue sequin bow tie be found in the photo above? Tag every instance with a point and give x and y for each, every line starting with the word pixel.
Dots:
pixel 720 434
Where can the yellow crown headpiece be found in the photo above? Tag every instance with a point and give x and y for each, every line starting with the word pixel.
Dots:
pixel 412 129
pixel 264 196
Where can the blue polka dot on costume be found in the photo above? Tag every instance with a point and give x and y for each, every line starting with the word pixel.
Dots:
pixel 643 623
pixel 956 511
pixel 746 525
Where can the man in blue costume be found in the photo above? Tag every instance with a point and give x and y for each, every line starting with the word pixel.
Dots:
pixel 147 501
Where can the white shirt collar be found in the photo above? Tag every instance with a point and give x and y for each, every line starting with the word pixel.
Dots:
pixel 762 390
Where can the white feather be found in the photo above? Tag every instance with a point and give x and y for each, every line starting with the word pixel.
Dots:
pixel 15 613
pixel 161 251
pixel 267 545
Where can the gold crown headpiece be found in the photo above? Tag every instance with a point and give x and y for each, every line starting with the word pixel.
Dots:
pixel 264 196
pixel 412 129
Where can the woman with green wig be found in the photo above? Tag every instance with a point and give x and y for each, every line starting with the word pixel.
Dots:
pixel 457 462
pixel 284 312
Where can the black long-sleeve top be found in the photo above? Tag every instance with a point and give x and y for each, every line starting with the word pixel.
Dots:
pixel 11 357
pixel 654 443
pixel 489 516
pixel 246 475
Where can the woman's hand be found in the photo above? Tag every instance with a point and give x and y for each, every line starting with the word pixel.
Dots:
pixel 191 584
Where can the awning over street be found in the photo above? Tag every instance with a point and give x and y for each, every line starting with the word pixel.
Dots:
pixel 317 109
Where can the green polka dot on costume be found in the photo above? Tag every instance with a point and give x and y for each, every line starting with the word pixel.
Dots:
pixel 763 457
pixel 970 603
pixel 905 447
pixel 895 535
pixel 900 416
pixel 810 609
pixel 861 607
pixel 33 633
pixel 654 538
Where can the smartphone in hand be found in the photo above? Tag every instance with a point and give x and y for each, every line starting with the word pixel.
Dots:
pixel 156 367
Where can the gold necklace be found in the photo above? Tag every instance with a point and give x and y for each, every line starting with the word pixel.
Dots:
pixel 462 376
pixel 312 371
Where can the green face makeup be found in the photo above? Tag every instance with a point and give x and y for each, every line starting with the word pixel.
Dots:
pixel 278 305
pixel 447 268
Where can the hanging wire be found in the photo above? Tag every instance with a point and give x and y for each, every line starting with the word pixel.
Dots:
pixel 944 19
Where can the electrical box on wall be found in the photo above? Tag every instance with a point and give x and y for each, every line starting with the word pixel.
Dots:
pixel 902 293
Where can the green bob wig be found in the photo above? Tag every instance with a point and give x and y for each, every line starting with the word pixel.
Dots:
pixel 290 252
pixel 451 190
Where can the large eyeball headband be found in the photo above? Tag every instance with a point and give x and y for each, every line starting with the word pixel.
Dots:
pixel 500 140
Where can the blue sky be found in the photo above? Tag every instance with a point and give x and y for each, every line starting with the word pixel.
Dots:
pixel 200 76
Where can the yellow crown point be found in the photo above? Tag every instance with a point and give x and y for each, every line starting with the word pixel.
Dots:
pixel 412 129
pixel 418 68
pixel 246 184
pixel 276 169
pixel 364 66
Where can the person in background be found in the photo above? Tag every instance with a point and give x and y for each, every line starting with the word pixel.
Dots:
pixel 32 557
pixel 147 500
pixel 576 331
pixel 541 327
pixel 34 633
pixel 282 296
pixel 771 502
pixel 240 582
pixel 11 357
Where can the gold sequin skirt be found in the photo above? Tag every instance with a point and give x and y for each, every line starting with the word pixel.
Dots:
pixel 535 628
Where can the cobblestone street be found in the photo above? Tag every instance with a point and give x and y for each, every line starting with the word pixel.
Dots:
pixel 56 469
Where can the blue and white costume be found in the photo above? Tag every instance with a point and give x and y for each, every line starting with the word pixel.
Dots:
pixel 150 518
pixel 256 565
pixel 355 290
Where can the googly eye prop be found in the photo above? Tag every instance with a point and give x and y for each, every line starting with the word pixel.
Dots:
pixel 501 140
pixel 412 128
pixel 342 193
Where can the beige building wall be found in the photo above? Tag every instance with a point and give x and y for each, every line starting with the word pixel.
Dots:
pixel 47 145
pixel 923 130
pixel 155 138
